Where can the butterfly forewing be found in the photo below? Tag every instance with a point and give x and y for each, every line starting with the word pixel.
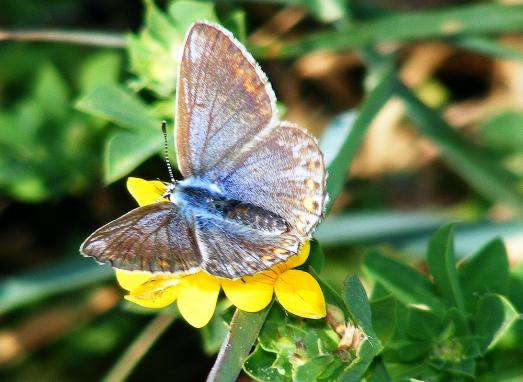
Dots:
pixel 153 238
pixel 223 99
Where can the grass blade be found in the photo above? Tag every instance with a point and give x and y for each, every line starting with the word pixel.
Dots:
pixel 474 165
pixel 343 137
pixel 375 227
pixel 31 286
pixel 488 46
pixel 439 23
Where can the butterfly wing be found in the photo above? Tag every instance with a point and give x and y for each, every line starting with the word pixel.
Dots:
pixel 232 251
pixel 223 99
pixel 152 238
pixel 281 170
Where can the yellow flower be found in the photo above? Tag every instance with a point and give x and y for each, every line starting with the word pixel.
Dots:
pixel 297 291
pixel 196 294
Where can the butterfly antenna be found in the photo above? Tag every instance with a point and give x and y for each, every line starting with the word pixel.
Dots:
pixel 166 151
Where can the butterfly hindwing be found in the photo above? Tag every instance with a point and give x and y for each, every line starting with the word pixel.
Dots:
pixel 153 238
pixel 231 251
pixel 223 99
pixel 282 171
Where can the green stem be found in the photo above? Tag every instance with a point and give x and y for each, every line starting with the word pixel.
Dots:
pixel 244 330
pixel 111 40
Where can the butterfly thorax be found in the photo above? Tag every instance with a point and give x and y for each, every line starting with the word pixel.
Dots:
pixel 197 197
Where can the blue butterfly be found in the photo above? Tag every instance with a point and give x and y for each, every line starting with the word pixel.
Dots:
pixel 253 187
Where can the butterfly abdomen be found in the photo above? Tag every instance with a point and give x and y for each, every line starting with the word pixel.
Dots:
pixel 255 217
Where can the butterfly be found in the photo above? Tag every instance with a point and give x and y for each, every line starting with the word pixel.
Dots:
pixel 253 188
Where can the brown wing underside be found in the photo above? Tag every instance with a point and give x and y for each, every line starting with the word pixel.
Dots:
pixel 152 238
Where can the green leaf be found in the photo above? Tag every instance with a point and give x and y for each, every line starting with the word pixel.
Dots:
pixel 296 342
pixel 184 13
pixel 494 318
pixel 28 117
pixel 515 286
pixel 409 350
pixel 404 371
pixel 22 289
pixel 332 371
pixel 459 336
pixel 235 21
pixel 155 51
pixel 441 22
pixel 485 272
pixel 259 366
pixel 441 262
pixel 473 164
pixel 159 26
pixel 378 372
pixel 99 70
pixel 312 369
pixel 119 106
pixel 124 151
pixel 344 135
pixel 273 335
pixel 51 93
pixel 423 325
pixel 407 285
pixel 244 329
pixel 461 368
pixel 355 298
pixel 383 310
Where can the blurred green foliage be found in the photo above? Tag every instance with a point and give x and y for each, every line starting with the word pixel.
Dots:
pixel 431 306
pixel 47 147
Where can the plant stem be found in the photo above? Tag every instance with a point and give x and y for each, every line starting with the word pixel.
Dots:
pixel 114 40
pixel 244 330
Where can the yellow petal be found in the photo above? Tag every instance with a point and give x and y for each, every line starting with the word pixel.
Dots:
pixel 145 191
pixel 155 293
pixel 299 293
pixel 197 298
pixel 251 294
pixel 302 256
pixel 131 280
pixel 167 297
